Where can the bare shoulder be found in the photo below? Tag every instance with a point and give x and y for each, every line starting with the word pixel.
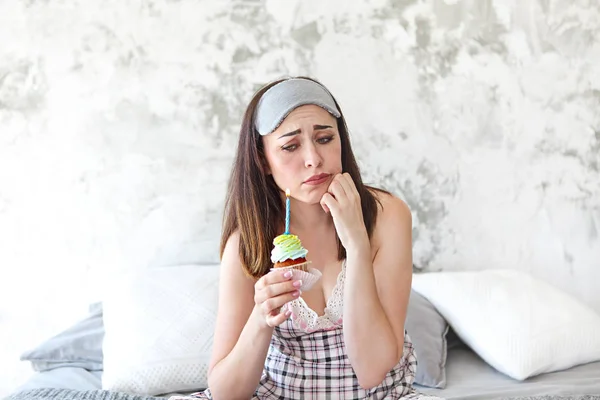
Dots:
pixel 231 263
pixel 391 207
pixel 394 218
pixel 231 253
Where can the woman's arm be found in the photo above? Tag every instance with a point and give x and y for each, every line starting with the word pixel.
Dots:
pixel 247 313
pixel 241 338
pixel 376 294
pixel 378 278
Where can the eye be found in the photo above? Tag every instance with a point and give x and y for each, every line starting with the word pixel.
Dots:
pixel 289 147
pixel 325 139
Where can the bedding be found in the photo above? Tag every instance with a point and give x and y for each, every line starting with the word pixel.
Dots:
pixel 71 382
pixel 70 394
pixel 427 329
pixel 468 377
pixel 135 306
pixel 78 346
pixel 64 378
pixel 159 324
pixel 518 324
pixel 454 370
pixel 167 345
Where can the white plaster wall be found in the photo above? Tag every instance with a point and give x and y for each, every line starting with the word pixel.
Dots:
pixel 118 123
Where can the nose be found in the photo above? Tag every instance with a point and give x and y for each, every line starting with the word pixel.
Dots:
pixel 312 158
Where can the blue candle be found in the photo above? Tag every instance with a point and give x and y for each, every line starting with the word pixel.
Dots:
pixel 287 211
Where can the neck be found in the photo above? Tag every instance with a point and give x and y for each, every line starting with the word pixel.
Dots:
pixel 306 217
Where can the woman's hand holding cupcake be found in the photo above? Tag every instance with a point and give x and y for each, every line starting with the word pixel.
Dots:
pixel 273 291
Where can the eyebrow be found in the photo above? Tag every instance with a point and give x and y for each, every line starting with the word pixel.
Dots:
pixel 297 131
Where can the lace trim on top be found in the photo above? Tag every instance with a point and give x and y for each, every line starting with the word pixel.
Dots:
pixel 306 319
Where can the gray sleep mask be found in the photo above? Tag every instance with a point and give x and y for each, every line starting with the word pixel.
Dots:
pixel 281 99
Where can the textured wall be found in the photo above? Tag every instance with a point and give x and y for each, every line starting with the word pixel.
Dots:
pixel 118 122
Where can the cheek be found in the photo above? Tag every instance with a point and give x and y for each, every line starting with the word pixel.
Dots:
pixel 282 163
pixel 334 155
pixel 276 162
pixel 283 168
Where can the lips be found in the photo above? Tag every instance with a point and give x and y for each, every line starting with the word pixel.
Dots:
pixel 317 179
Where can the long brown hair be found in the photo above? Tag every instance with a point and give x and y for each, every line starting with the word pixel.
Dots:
pixel 254 205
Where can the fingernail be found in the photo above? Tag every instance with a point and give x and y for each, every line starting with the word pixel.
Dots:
pixel 288 313
pixel 297 283
pixel 288 274
pixel 296 293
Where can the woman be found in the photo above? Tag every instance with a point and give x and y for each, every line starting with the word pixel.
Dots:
pixel 345 337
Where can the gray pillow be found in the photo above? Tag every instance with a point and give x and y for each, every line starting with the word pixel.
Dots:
pixel 78 346
pixel 427 330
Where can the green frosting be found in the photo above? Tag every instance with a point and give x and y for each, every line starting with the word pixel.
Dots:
pixel 288 242
pixel 287 247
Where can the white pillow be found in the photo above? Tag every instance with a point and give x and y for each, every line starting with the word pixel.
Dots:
pixel 159 325
pixel 519 325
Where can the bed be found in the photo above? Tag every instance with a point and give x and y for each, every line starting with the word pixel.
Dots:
pixel 468 377
pixel 552 355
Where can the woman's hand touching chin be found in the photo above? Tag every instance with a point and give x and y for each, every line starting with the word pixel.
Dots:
pixel 343 202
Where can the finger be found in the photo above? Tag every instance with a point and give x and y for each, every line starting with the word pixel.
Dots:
pixel 349 185
pixel 260 284
pixel 337 190
pixel 274 303
pixel 278 319
pixel 275 313
pixel 265 281
pixel 277 289
pixel 332 204
pixel 276 276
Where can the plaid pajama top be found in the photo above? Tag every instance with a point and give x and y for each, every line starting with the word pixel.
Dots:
pixel 307 359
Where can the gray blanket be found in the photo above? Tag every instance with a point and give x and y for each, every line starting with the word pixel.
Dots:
pixel 68 394
pixel 581 397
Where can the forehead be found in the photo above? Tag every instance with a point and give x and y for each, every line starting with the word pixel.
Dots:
pixel 308 114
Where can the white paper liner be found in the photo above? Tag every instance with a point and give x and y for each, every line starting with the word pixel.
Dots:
pixel 308 278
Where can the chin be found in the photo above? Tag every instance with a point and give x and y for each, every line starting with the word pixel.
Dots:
pixel 312 196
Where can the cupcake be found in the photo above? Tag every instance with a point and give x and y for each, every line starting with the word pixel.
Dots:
pixel 289 254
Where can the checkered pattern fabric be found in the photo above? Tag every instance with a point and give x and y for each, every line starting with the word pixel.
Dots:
pixel 307 360
pixel 314 365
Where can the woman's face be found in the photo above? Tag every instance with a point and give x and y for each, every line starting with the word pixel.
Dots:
pixel 304 153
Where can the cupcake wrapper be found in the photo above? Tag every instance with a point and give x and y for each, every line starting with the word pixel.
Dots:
pixel 308 278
